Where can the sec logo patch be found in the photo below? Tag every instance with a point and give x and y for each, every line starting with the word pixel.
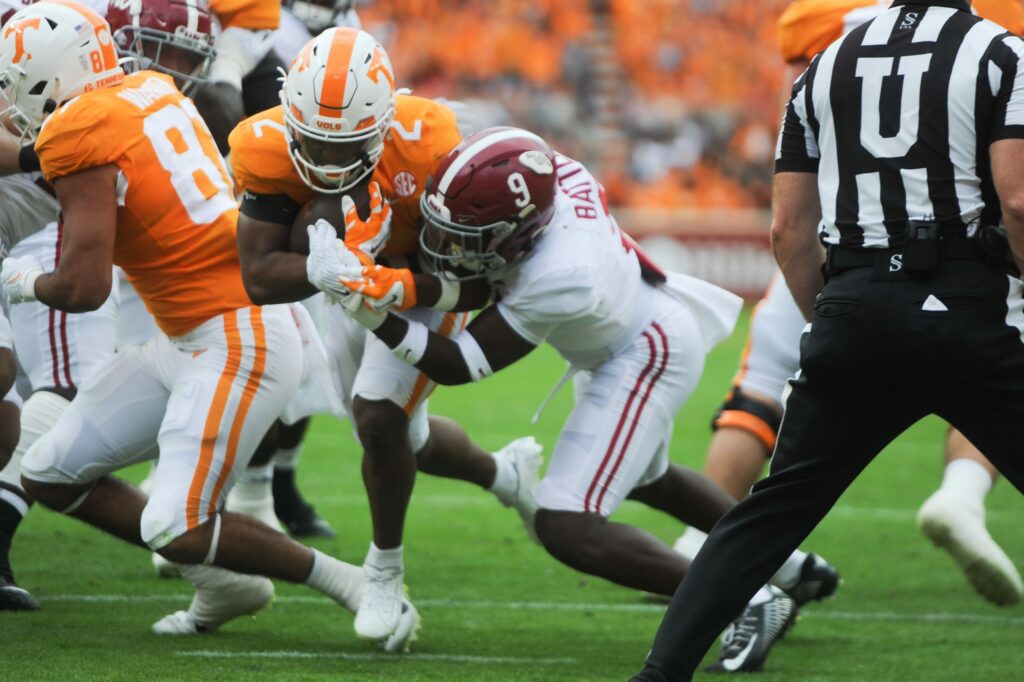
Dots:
pixel 405 184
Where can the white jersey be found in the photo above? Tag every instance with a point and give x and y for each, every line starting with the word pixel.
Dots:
pixel 580 288
pixel 25 208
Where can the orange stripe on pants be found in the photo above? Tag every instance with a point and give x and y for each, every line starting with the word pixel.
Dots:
pixel 252 385
pixel 445 329
pixel 211 430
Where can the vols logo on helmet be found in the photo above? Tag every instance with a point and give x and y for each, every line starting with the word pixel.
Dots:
pixel 18 28
pixel 378 67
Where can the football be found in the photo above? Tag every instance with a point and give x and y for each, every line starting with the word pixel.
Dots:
pixel 328 207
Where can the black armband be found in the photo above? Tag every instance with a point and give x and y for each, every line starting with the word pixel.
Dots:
pixel 28 161
pixel 279 209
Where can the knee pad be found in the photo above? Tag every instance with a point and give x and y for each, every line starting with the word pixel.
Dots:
pixel 38 416
pixel 747 414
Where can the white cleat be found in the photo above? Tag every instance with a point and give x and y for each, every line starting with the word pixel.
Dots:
pixel 957 525
pixel 165 568
pixel 406 632
pixel 260 506
pixel 380 608
pixel 525 455
pixel 220 596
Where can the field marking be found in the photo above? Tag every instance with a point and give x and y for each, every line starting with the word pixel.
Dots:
pixel 941 617
pixel 479 501
pixel 437 658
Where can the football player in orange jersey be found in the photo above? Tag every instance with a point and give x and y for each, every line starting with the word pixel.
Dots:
pixel 341 129
pixel 141 184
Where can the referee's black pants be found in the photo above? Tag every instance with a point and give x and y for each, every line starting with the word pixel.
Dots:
pixel 873 363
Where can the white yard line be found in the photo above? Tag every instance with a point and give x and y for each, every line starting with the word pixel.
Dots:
pixel 442 658
pixel 822 613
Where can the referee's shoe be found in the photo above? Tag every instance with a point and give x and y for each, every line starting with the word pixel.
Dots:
pixel 749 638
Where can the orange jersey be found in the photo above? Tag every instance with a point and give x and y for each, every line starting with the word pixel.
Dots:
pixel 252 14
pixel 1007 13
pixel 807 27
pixel 177 216
pixel 422 133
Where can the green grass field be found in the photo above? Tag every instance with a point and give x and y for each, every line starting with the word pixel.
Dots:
pixel 495 606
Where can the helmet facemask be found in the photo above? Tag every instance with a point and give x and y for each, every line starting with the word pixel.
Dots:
pixel 334 162
pixel 158 50
pixel 14 118
pixel 475 250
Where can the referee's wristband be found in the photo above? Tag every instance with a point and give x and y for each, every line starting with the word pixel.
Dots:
pixel 414 344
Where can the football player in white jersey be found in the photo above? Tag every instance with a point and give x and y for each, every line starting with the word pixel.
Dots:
pixel 504 208
pixel 746 424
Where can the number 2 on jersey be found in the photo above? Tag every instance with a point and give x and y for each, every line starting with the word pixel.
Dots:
pixel 195 176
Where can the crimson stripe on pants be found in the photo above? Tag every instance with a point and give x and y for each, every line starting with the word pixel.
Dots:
pixel 639 411
pixel 622 421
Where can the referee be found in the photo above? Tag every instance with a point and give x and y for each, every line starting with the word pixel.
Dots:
pixel 903 143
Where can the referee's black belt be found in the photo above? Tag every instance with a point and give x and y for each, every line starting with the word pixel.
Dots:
pixel 845 257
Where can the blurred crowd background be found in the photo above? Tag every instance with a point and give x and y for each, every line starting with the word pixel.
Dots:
pixel 674 104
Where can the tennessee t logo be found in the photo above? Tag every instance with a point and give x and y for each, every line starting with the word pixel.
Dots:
pixel 377 67
pixel 18 29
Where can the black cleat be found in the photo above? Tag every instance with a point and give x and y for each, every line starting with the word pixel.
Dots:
pixel 14 598
pixel 818 580
pixel 297 515
pixel 749 638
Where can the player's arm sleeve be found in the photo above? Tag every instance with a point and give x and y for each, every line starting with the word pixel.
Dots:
pixel 1008 112
pixel 280 209
pixel 797 149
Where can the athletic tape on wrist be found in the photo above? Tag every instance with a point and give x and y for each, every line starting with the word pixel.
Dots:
pixel 414 344
pixel 450 290
pixel 474 357
pixel 28 286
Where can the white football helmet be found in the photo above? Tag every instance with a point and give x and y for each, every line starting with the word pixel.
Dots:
pixel 50 52
pixel 339 101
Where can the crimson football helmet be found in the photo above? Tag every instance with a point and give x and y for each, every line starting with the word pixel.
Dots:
pixel 144 29
pixel 488 200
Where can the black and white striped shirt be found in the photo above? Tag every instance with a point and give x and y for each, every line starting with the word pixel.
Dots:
pixel 897 117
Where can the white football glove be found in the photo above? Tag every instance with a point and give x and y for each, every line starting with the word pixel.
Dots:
pixel 19 277
pixel 328 262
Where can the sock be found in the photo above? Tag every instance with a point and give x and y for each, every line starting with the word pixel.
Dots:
pixel 506 480
pixel 340 581
pixel 761 596
pixel 287 458
pixel 789 575
pixel 690 542
pixel 385 558
pixel 12 510
pixel 255 481
pixel 967 478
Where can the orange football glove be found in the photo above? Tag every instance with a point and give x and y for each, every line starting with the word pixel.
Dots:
pixel 384 288
pixel 367 238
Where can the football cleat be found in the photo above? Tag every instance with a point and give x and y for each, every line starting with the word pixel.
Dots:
pixel 165 568
pixel 406 632
pixel 957 525
pixel 818 580
pixel 220 596
pixel 749 638
pixel 297 515
pixel 380 608
pixel 14 598
pixel 525 456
